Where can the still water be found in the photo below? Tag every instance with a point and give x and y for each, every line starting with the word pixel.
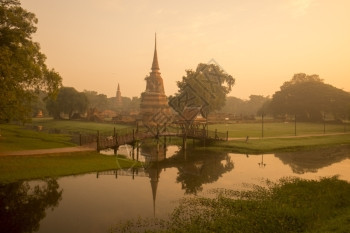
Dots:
pixel 95 202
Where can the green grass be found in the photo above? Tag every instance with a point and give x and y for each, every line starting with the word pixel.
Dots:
pixel 16 168
pixel 77 126
pixel 291 205
pixel 270 145
pixel 15 138
pixel 278 129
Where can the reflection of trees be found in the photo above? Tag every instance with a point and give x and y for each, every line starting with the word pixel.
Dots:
pixel 198 168
pixel 310 161
pixel 23 206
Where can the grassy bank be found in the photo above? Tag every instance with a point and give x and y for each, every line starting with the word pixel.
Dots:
pixel 270 145
pixel 14 138
pixel 15 168
pixel 17 138
pixel 292 205
pixel 272 129
pixel 77 126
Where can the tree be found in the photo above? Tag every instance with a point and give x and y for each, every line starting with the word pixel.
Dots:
pixel 39 105
pixel 241 107
pixel 69 101
pixel 309 98
pixel 206 87
pixel 95 100
pixel 22 66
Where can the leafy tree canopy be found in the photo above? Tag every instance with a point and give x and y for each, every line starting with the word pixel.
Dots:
pixel 96 100
pixel 22 66
pixel 206 87
pixel 69 101
pixel 240 107
pixel 309 98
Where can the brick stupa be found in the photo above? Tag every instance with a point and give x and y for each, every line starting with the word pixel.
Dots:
pixel 119 101
pixel 154 108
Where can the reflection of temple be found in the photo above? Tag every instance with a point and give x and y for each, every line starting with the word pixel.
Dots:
pixel 193 171
pixel 194 168
pixel 154 103
pixel 153 155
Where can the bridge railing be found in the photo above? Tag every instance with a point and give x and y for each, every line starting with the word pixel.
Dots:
pixel 217 135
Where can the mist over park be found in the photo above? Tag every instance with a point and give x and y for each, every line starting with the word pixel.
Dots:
pixel 117 116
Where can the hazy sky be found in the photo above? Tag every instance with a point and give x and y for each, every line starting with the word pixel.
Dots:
pixel 96 44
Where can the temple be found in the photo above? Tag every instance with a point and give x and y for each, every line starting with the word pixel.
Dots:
pixel 119 101
pixel 154 108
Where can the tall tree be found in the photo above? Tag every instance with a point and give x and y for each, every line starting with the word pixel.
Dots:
pixel 95 100
pixel 69 101
pixel 309 98
pixel 22 66
pixel 206 87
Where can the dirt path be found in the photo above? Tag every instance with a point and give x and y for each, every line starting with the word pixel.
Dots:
pixel 49 151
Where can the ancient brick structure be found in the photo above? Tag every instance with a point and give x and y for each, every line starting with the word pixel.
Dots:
pixel 119 101
pixel 154 108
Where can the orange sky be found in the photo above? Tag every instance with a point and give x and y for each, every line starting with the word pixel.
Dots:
pixel 96 44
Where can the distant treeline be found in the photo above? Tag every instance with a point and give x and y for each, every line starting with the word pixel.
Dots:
pixel 305 97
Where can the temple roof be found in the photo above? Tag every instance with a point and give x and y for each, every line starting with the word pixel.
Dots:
pixel 155 65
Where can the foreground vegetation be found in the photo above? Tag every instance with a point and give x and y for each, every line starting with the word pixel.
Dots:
pixel 291 205
pixel 16 168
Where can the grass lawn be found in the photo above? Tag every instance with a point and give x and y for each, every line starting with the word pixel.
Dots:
pixel 77 126
pixel 16 168
pixel 14 138
pixel 278 129
pixel 270 145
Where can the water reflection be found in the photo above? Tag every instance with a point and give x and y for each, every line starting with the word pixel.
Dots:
pixel 93 204
pixel 311 161
pixel 195 167
pixel 262 164
pixel 22 205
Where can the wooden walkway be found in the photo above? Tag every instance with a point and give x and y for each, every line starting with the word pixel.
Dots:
pixel 114 141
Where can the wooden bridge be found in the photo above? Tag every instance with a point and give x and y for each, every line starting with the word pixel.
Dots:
pixel 140 172
pixel 131 137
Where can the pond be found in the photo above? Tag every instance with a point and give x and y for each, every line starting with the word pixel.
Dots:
pixel 97 201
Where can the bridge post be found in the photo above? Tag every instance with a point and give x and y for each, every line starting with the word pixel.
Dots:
pixel 133 151
pixel 116 146
pixel 98 141
pixel 165 142
pixel 184 144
